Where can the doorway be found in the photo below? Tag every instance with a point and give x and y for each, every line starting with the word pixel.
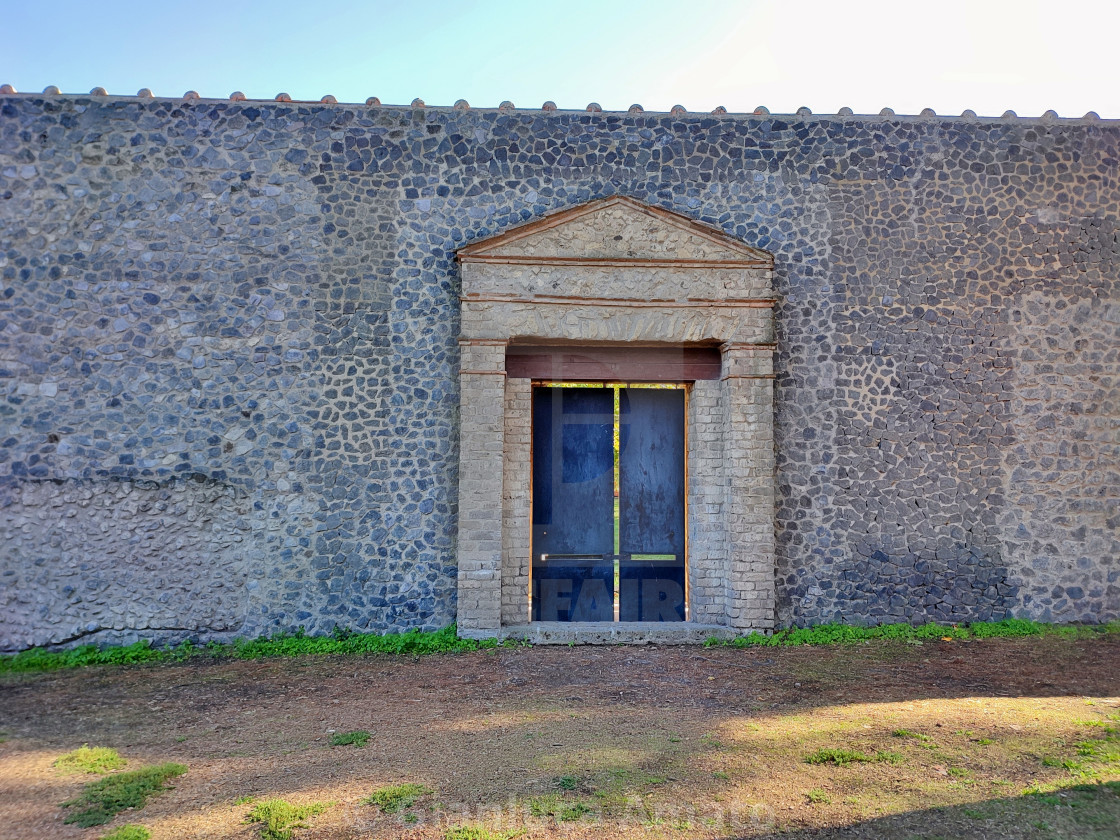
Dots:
pixel 608 537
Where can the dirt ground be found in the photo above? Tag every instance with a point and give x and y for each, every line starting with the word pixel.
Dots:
pixel 967 739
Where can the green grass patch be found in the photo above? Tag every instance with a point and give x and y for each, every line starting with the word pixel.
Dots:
pixel 394 797
pixel 1105 752
pixel 102 800
pixel 842 757
pixel 818 797
pixel 839 757
pixel 87 759
pixel 478 832
pixel 906 733
pixel 357 738
pixel 128 832
pixel 561 810
pixel 1103 724
pixel 566 783
pixel 412 643
pixel 278 819
pixel 417 643
pixel 836 634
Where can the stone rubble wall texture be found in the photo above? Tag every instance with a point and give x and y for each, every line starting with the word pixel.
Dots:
pixel 234 325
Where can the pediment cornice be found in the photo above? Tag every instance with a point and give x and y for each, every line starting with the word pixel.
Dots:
pixel 616 231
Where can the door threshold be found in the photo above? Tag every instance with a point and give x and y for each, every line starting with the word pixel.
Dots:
pixel 616 633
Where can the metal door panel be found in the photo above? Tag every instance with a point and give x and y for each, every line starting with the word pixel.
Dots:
pixel 573 504
pixel 652 505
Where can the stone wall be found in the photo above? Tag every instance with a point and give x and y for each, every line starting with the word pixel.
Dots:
pixel 134 555
pixel 235 324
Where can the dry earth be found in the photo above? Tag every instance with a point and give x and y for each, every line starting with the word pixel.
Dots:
pixel 646 742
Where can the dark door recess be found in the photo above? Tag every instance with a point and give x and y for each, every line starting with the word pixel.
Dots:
pixel 593 561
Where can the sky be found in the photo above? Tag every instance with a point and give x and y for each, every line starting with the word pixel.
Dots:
pixel 986 55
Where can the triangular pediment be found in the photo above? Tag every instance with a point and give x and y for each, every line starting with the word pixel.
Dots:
pixel 616 231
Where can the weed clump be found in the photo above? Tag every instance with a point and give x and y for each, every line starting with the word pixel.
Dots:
pixel 906 733
pixel 87 759
pixel 818 797
pixel 278 819
pixel 358 738
pixel 839 757
pixel 128 832
pixel 102 800
pixel 478 832
pixel 843 757
pixel 559 809
pixel 395 797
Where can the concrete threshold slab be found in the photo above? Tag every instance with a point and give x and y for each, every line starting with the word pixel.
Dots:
pixel 617 633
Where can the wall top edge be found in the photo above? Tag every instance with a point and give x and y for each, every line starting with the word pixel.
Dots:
pixel 802 114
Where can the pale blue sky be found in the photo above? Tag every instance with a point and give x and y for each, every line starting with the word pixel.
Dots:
pixel 988 55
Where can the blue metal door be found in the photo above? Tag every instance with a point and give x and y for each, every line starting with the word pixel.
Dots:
pixel 589 562
pixel 651 510
pixel 573 504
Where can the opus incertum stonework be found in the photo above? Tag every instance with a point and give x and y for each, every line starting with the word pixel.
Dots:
pixel 274 364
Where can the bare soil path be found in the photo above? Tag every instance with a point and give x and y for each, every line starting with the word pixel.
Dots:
pixel 597 742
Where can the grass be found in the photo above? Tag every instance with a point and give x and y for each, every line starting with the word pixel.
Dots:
pixel 818 797
pixel 87 759
pixel 906 733
pixel 553 806
pixel 416 643
pixel 278 819
pixel 102 800
pixel 395 797
pixel 357 738
pixel 843 757
pixel 478 832
pixel 412 643
pixel 128 832
pixel 833 634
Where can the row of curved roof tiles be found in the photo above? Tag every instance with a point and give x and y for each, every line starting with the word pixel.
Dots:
pixel 549 106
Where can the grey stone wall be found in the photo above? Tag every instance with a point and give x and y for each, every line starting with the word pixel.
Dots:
pixel 247 313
